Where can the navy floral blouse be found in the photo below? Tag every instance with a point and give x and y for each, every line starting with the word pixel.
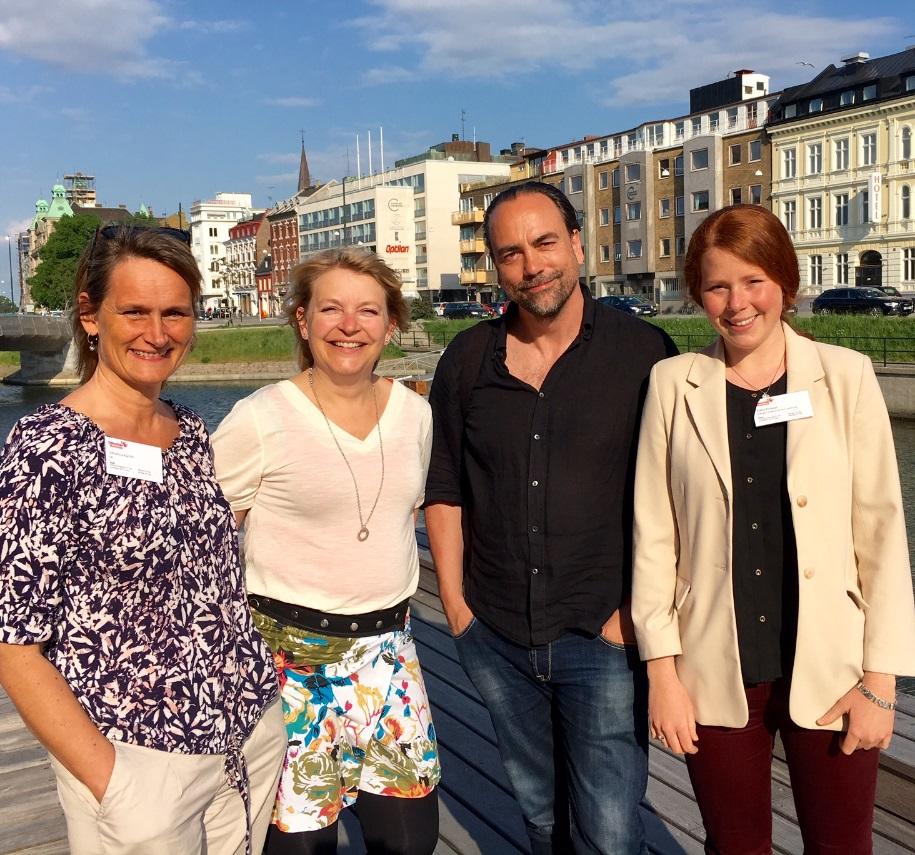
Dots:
pixel 134 587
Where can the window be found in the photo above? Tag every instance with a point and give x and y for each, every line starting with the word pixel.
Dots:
pixel 905 151
pixel 697 125
pixel 869 92
pixel 664 207
pixel 678 206
pixel 868 149
pixel 633 172
pixel 616 177
pixel 842 268
pixel 633 249
pixel 681 245
pixel 910 83
pixel 605 252
pixel 790 111
pixel 840 154
pixel 487 200
pixel 751 115
pixel 814 158
pixel 734 154
pixel 617 215
pixel 789 215
pixel 816 269
pixel 699 159
pixel 732 118
pixel 905 197
pixel 634 211
pixel 755 150
pixel 865 206
pixel 605 216
pixel 679 130
pixel 565 156
pixel 736 196
pixel 846 99
pixel 664 168
pixel 908 264
pixel 212 231
pixel 665 247
pixel 815 212
pixel 713 123
pixel 617 251
pixel 700 200
pixel 678 165
pixel 841 218
pixel 816 105
pixel 603 180
pixel 789 163
pixel 756 194
pixel 575 183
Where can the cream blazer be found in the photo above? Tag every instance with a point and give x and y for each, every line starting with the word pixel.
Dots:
pixel 855 608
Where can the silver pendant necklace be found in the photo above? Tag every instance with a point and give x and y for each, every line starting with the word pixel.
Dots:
pixel 363 523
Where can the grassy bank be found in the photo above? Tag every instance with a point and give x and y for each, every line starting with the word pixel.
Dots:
pixel 262 344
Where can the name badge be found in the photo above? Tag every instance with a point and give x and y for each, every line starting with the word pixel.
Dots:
pixel 133 459
pixel 783 408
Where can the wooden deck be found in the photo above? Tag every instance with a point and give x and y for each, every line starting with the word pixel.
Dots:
pixel 478 812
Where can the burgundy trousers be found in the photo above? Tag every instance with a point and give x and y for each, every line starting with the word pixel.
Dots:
pixel 731 776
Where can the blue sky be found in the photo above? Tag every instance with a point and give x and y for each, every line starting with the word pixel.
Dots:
pixel 168 102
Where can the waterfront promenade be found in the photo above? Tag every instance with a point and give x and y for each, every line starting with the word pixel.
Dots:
pixel 478 813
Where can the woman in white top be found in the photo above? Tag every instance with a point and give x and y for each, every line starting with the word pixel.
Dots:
pixel 327 470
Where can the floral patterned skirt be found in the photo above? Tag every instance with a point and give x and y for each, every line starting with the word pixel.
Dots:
pixel 357 718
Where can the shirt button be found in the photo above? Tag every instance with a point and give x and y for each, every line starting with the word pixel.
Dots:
pixel 535 483
pixel 759 571
pixel 534 529
pixel 749 479
pixel 749 436
pixel 536 436
pixel 809 573
pixel 802 501
pixel 762 618
pixel 541 394
pixel 753 395
pixel 754 526
pixel 535 571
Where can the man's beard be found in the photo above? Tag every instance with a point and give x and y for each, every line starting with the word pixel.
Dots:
pixel 549 303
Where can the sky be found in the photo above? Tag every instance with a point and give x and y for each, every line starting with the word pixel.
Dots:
pixel 168 102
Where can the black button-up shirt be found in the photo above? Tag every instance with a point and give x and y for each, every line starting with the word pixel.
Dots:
pixel 544 475
pixel 764 549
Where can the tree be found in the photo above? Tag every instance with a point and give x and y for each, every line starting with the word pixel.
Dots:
pixel 421 310
pixel 52 283
pixel 7 306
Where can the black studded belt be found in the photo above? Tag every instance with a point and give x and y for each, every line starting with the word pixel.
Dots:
pixel 328 623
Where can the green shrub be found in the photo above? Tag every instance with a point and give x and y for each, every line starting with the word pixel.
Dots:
pixel 421 310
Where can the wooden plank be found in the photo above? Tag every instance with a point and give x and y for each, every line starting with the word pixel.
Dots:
pixel 462 830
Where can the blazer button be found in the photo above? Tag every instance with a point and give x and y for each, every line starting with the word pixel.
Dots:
pixel 802 501
pixel 809 573
pixel 354 626
pixel 325 623
pixel 378 624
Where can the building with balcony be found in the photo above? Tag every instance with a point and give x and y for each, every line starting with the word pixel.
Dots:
pixel 210 221
pixel 405 214
pixel 844 173
pixel 241 259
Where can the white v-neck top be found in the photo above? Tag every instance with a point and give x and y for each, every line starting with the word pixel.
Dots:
pixel 275 459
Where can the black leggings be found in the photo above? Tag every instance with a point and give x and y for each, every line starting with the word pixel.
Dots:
pixel 390 826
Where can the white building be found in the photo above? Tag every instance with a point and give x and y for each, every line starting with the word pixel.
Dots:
pixel 404 213
pixel 211 220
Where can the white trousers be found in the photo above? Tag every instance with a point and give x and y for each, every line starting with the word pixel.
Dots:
pixel 165 803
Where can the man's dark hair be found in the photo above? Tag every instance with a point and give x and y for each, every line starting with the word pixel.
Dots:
pixel 554 194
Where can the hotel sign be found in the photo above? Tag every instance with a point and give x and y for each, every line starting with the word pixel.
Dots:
pixel 874 188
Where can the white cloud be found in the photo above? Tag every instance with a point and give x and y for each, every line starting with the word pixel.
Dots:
pixel 292 101
pixel 209 28
pixel 15 227
pixel 660 48
pixel 21 96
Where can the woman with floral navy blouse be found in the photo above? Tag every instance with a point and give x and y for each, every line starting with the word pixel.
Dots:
pixel 126 642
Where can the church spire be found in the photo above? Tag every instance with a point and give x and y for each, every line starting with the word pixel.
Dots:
pixel 304 175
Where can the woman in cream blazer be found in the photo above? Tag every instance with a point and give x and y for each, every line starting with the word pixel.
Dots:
pixel 851 600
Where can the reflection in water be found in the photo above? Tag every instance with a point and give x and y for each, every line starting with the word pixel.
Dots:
pixel 213 401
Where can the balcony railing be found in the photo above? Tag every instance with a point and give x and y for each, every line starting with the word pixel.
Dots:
pixel 476 277
pixel 462 218
pixel 473 246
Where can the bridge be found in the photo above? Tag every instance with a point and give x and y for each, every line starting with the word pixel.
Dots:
pixel 44 344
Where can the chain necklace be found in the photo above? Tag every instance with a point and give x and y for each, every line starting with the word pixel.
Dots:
pixel 363 523
pixel 765 395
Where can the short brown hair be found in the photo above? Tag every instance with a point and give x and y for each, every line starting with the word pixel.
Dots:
pixel 108 247
pixel 755 236
pixel 349 258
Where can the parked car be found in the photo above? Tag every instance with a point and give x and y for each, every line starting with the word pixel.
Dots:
pixel 464 310
pixel 630 303
pixel 860 301
pixel 439 308
pixel 501 308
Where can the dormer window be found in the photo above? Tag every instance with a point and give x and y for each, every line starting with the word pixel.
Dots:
pixel 869 92
pixel 816 105
pixel 790 111
pixel 846 99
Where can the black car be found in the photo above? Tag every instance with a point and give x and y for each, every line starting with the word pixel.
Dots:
pixel 860 301
pixel 630 303
pixel 464 310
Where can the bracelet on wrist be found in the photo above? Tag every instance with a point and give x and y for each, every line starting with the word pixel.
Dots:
pixel 875 699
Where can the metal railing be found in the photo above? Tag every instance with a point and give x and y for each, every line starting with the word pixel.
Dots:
pixel 420 339
pixel 421 365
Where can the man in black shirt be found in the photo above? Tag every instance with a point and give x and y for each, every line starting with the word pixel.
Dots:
pixel 528 509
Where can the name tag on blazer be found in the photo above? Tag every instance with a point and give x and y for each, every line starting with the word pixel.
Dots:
pixel 783 408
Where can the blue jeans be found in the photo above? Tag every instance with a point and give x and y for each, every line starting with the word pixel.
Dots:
pixel 570 716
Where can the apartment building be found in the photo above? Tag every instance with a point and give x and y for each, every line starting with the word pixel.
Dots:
pixel 844 173
pixel 240 260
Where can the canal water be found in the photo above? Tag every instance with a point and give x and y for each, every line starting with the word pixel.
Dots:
pixel 213 400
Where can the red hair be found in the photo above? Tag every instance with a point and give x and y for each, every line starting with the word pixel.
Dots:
pixel 755 236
